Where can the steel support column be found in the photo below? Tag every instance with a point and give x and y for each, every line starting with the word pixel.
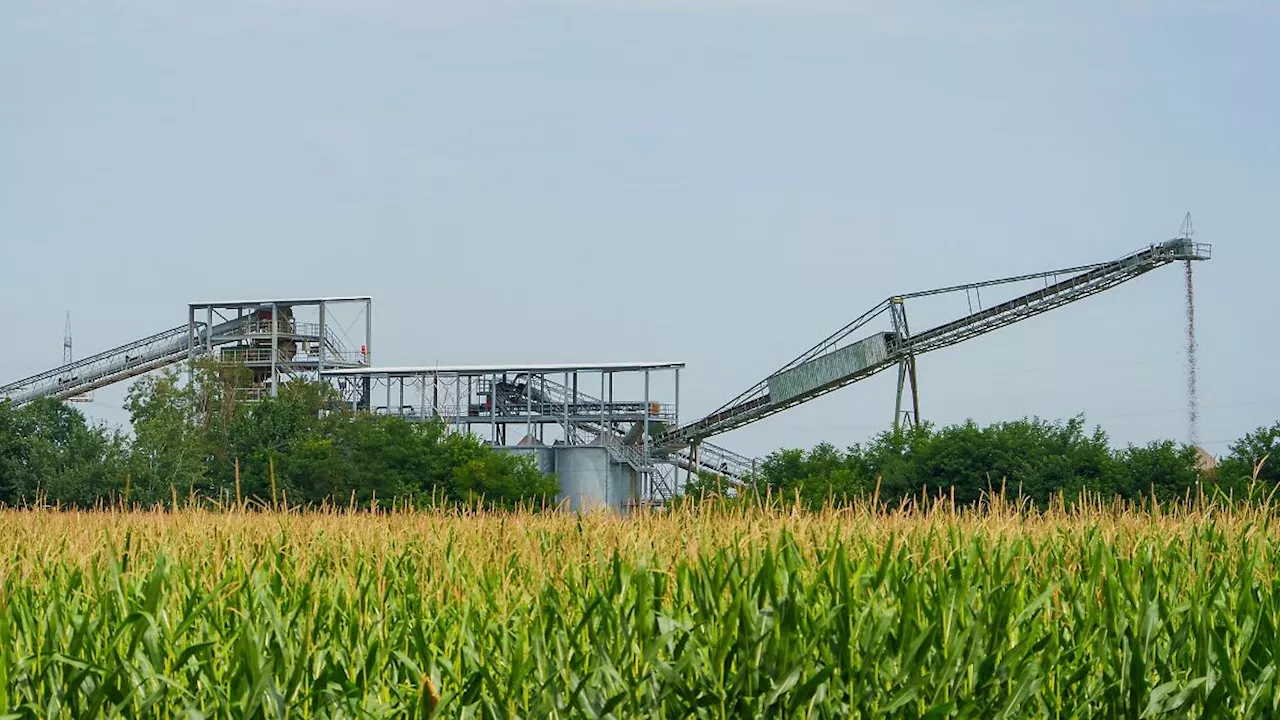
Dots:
pixel 368 333
pixel 320 352
pixel 906 366
pixel 191 344
pixel 915 389
pixel 275 348
pixel 646 480
pixel 897 403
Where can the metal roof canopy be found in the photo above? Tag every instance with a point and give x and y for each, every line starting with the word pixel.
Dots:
pixel 287 301
pixel 466 370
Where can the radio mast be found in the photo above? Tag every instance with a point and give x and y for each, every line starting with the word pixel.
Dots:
pixel 67 359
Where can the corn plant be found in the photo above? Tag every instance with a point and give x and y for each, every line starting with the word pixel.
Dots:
pixel 744 611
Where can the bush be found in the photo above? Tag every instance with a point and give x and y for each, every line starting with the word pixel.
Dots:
pixel 1259 452
pixel 1030 458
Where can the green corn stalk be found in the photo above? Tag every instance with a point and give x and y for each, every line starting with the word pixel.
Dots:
pixel 702 612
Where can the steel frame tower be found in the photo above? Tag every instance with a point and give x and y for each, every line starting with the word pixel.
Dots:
pixel 279 339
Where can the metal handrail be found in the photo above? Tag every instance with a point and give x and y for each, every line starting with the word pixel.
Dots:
pixel 288 329
pixel 623 452
pixel 557 394
pixel 264 354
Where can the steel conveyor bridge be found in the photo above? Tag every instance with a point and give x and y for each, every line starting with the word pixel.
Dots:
pixel 262 334
pixel 836 362
pixel 118 364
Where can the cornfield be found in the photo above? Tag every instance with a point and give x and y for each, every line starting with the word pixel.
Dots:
pixel 699 612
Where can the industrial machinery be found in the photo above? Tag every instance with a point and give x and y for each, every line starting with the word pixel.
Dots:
pixel 839 360
pixel 598 444
pixel 622 447
pixel 261 334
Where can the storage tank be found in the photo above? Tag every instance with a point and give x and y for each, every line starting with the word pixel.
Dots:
pixel 584 475
pixel 543 456
pixel 624 484
pixel 590 477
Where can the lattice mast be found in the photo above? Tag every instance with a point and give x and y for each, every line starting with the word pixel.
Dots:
pixel 68 357
pixel 1193 369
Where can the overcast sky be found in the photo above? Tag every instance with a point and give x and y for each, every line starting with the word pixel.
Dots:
pixel 722 182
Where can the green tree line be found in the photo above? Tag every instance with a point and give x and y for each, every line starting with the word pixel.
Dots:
pixel 1032 459
pixel 196 440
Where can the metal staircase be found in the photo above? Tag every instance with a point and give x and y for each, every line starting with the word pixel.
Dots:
pixel 705 457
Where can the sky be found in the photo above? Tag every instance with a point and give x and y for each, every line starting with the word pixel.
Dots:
pixel 720 182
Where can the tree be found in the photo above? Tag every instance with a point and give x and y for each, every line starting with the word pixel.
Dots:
pixel 173 440
pixel 1258 451
pixel 1165 470
pixel 263 434
pixel 189 437
pixel 48 451
pixel 14 473
pixel 1030 459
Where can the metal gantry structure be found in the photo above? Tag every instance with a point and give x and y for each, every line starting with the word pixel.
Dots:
pixel 264 335
pixel 617 406
pixel 636 425
pixel 281 339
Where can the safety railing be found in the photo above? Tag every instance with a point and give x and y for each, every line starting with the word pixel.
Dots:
pixel 301 354
pixel 624 453
pixel 555 395
pixel 716 459
pixel 291 330
pixel 252 394
pixel 580 412
pixel 1184 249
pixel 246 355
pixel 281 327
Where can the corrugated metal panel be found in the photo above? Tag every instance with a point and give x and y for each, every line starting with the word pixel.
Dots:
pixel 829 368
